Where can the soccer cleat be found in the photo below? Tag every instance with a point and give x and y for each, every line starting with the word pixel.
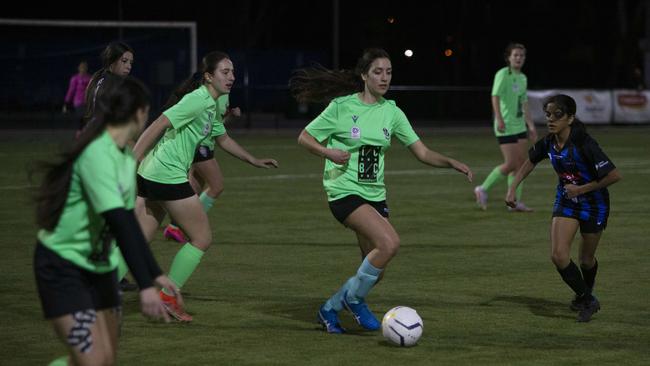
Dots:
pixel 361 314
pixel 174 233
pixel 481 197
pixel 591 307
pixel 173 309
pixel 520 207
pixel 330 321
pixel 126 286
pixel 577 304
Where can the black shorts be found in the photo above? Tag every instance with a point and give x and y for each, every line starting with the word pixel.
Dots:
pixel 65 288
pixel 343 207
pixel 591 226
pixel 155 191
pixel 512 139
pixel 202 153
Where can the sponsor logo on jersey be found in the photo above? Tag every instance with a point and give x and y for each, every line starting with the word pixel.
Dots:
pixel 386 134
pixel 355 132
pixel 602 164
pixel 355 118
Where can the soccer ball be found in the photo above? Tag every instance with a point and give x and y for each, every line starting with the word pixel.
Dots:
pixel 402 325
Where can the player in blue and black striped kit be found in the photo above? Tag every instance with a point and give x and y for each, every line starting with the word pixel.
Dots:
pixel 582 199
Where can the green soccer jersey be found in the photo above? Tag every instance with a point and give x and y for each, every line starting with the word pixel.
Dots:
pixel 511 88
pixel 103 178
pixel 192 120
pixel 365 131
pixel 218 128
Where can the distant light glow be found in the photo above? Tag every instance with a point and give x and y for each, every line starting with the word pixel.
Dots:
pixel 408 53
pixel 391 20
pixel 449 52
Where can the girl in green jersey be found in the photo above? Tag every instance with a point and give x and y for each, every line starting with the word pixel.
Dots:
pixel 205 169
pixel 356 129
pixel 85 206
pixel 163 185
pixel 513 125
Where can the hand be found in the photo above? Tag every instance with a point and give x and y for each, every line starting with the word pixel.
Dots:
pixel 572 190
pixel 152 306
pixel 461 168
pixel 337 156
pixel 265 163
pixel 511 198
pixel 501 126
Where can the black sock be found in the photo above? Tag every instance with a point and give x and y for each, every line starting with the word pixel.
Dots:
pixel 589 274
pixel 572 276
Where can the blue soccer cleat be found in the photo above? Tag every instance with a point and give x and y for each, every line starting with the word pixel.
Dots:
pixel 330 321
pixel 361 314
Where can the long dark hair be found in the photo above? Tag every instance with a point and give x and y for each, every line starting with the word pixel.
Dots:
pixel 568 105
pixel 115 107
pixel 208 64
pixel 109 55
pixel 317 84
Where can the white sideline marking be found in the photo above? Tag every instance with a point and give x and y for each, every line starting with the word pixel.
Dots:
pixel 429 171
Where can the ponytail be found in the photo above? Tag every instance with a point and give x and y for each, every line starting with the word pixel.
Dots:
pixel 318 84
pixel 116 106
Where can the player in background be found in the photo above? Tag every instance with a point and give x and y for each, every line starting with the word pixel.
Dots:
pixel 581 201
pixel 163 187
pixel 84 207
pixel 75 97
pixel 513 125
pixel 352 134
pixel 205 169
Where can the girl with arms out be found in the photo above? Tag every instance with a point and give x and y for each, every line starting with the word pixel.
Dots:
pixel 352 134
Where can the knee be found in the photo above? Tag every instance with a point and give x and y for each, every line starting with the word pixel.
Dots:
pixel 202 240
pixel 508 167
pixel 391 245
pixel 560 259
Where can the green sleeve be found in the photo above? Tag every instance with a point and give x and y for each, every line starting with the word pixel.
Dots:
pixel 218 129
pixel 186 110
pixel 403 130
pixel 98 177
pixel 324 125
pixel 499 84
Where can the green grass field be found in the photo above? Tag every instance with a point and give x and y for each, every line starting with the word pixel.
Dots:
pixel 483 282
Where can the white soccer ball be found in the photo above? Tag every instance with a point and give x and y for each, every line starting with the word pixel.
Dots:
pixel 402 325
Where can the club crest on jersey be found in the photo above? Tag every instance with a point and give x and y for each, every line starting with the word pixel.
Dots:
pixel 386 133
pixel 515 87
pixel 355 132
pixel 355 118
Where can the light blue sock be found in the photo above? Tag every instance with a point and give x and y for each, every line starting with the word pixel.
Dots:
pixel 356 286
pixel 335 302
pixel 366 277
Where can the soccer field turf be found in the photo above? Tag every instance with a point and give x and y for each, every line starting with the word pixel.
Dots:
pixel 483 282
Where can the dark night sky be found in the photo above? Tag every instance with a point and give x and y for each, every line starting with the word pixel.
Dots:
pixel 579 43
